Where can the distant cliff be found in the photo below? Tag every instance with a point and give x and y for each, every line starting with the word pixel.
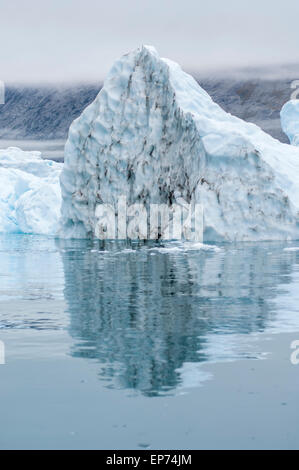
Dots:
pixel 42 112
pixel 254 100
pixel 46 112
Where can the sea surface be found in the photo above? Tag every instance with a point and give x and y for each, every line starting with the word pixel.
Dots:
pixel 148 346
pixel 49 149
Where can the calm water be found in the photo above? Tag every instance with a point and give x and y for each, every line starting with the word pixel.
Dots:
pixel 50 149
pixel 144 345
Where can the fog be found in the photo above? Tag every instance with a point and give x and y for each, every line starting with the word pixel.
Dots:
pixel 78 40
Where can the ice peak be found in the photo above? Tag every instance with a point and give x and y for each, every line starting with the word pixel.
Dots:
pixel 154 135
pixel 150 49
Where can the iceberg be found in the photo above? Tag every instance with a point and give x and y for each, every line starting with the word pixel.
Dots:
pixel 289 117
pixel 30 195
pixel 155 136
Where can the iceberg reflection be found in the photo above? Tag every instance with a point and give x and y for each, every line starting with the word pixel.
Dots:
pixel 151 315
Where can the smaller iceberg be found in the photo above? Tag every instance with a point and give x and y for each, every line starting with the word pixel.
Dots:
pixel 289 116
pixel 30 196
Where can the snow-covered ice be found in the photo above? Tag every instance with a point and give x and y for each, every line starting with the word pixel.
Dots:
pixel 289 116
pixel 154 135
pixel 30 196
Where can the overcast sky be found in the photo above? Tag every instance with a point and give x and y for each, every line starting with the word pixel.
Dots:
pixel 77 40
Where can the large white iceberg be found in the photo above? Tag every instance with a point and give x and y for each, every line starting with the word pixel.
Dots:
pixel 289 117
pixel 30 196
pixel 154 135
